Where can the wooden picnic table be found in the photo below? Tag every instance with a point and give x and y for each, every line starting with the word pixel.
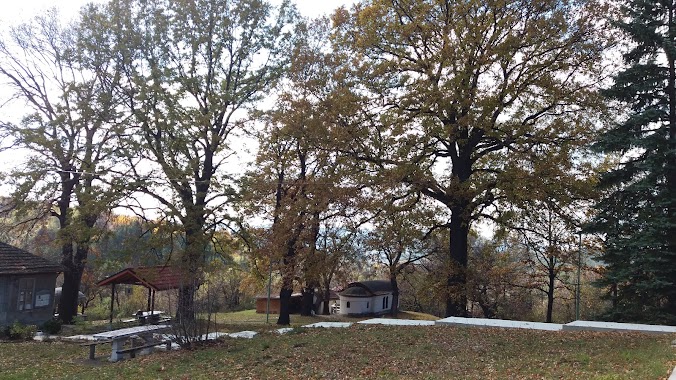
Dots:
pixel 149 316
pixel 143 317
pixel 118 337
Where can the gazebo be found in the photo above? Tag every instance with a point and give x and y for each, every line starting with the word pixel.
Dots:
pixel 154 278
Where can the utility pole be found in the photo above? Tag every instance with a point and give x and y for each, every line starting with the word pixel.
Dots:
pixel 267 307
pixel 577 290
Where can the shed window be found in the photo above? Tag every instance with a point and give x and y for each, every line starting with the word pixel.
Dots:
pixel 386 302
pixel 348 304
pixel 24 299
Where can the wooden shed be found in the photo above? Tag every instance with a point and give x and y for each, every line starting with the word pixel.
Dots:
pixel 294 307
pixel 27 284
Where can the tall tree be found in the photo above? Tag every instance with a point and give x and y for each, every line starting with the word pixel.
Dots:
pixel 550 251
pixel 337 248
pixel 400 240
pixel 457 93
pixel 493 271
pixel 193 71
pixel 70 135
pixel 298 187
pixel 305 181
pixel 638 212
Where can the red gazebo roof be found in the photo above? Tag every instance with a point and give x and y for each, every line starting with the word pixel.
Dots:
pixel 155 278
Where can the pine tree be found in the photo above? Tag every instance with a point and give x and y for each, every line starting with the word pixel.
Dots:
pixel 637 214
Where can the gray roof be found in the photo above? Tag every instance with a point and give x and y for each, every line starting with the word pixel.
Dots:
pixel 14 260
pixel 367 288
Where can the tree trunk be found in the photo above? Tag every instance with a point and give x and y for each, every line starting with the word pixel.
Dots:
pixel 327 299
pixel 308 300
pixel 287 280
pixel 287 285
pixel 71 285
pixel 185 308
pixel 395 294
pixel 284 307
pixel 486 309
pixel 71 275
pixel 310 270
pixel 191 261
pixel 483 300
pixel 185 312
pixel 456 296
pixel 550 294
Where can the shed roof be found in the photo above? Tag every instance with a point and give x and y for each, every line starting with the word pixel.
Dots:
pixel 14 260
pixel 156 277
pixel 367 288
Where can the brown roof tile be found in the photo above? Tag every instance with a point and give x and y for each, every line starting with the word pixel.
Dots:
pixel 17 261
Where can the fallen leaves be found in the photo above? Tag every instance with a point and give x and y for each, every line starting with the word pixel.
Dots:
pixel 367 352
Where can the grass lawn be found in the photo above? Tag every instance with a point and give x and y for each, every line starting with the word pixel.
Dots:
pixel 361 351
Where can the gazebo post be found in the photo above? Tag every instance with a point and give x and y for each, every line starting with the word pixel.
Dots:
pixel 152 305
pixel 150 291
pixel 112 304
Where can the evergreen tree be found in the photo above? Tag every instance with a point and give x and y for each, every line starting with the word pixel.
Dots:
pixel 637 213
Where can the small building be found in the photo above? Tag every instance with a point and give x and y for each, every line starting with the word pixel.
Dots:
pixel 295 304
pixel 366 298
pixel 27 284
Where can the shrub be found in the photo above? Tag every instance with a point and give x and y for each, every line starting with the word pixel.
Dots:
pixel 52 327
pixel 19 331
pixel 99 311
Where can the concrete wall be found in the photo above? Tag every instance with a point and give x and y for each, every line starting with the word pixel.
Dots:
pixel 43 300
pixel 378 304
pixel 355 305
pixel 365 305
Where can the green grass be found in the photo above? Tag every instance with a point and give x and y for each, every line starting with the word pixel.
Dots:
pixel 250 320
pixel 366 352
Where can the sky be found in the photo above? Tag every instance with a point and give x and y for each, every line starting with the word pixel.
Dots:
pixel 12 11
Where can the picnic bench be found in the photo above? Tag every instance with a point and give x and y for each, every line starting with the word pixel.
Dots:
pixel 145 317
pixel 132 350
pixel 119 337
pixel 92 346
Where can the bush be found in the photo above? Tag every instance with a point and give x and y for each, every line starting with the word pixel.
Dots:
pixel 99 311
pixel 19 331
pixel 52 327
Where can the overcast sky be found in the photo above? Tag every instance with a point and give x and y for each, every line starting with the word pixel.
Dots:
pixel 12 11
